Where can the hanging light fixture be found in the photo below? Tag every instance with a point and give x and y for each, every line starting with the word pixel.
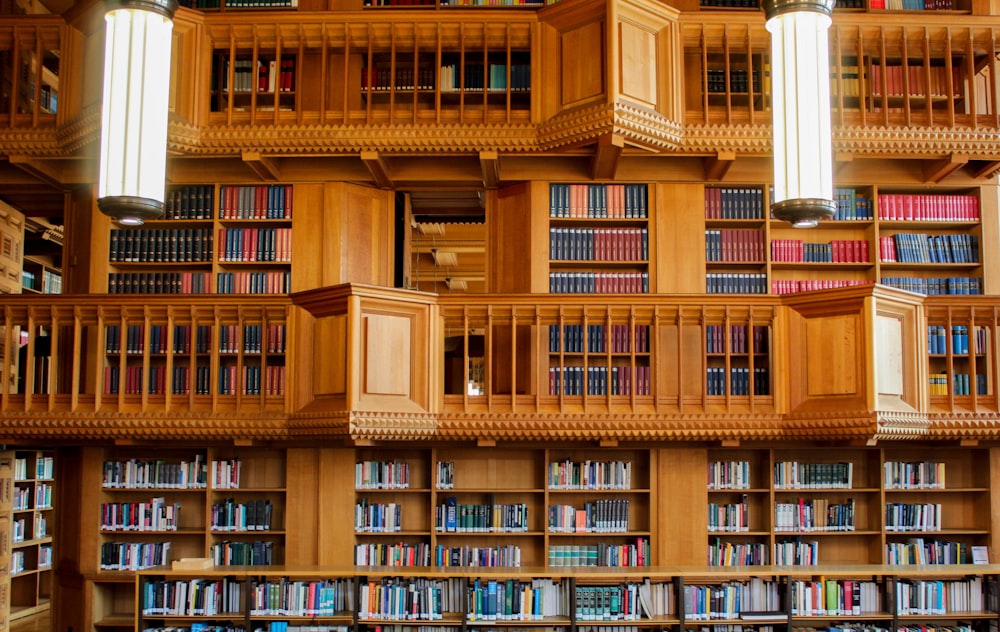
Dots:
pixel 134 111
pixel 800 106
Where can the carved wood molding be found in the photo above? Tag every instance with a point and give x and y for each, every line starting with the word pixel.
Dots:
pixel 141 426
pixel 746 139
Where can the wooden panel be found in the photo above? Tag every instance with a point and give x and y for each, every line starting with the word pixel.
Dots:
pixel 509 222
pixel 889 355
pixel 334 530
pixel 638 64
pixel 357 244
pixel 387 338
pixel 682 521
pixel 329 368
pixel 582 80
pixel 302 505
pixel 832 352
pixel 679 216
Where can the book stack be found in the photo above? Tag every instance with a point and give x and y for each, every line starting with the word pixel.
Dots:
pixel 928 208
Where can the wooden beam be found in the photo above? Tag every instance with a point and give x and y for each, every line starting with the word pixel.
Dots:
pixel 718 165
pixel 490 163
pixel 987 170
pixel 38 169
pixel 378 168
pixel 604 164
pixel 937 170
pixel 265 168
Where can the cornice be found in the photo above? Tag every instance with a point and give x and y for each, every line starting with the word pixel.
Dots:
pixel 639 126
pixel 142 426
pixel 965 425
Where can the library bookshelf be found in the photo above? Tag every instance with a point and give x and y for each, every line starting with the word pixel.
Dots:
pixel 32 526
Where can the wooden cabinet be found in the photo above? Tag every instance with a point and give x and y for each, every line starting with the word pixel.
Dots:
pixel 32 525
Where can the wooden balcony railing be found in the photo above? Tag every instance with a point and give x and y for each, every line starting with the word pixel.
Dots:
pixel 380 363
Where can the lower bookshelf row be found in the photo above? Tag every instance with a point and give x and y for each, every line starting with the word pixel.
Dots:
pixel 957 598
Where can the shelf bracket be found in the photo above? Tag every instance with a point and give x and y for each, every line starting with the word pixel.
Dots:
pixel 37 169
pixel 718 165
pixel 265 168
pixel 378 168
pixel 987 169
pixel 490 163
pixel 937 170
pixel 605 161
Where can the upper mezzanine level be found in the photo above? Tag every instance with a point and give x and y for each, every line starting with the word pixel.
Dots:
pixel 598 78
pixel 366 364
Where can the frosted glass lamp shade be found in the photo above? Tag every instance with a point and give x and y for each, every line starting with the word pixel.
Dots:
pixel 133 158
pixel 800 106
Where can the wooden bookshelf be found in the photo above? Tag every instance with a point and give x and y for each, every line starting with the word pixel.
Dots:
pixel 32 526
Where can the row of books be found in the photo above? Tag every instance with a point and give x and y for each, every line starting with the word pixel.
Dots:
pixel 16 562
pixel 155 474
pixel 836 251
pixel 798 475
pixel 225 474
pixel 739 342
pixel 597 339
pixel 925 208
pixel 381 475
pixel 937 597
pixel 815 514
pixel 300 598
pixel 155 514
pixel 624 602
pixel 924 248
pixel 251 339
pixel 599 283
pixel 727 553
pixel 729 475
pixel 913 5
pixel 926 551
pixel 253 282
pixel 194 597
pixel 134 342
pixel 916 80
pixel 255 244
pixel 739 381
pixel 913 516
pixel 262 201
pixel 913 475
pixel 599 201
pixel 599 380
pixel 834 597
pixel 256 553
pixel 43 500
pixel 937 339
pixel 251 515
pixel 473 78
pixel 455 517
pixel 736 283
pixel 730 517
pixel 159 283
pixel 133 384
pixel 190 202
pixel 500 555
pixel 595 475
pixel 599 244
pixel 734 244
pixel 380 78
pixel 791 286
pixel 160 245
pixel 254 380
pixel 21 498
pixel 852 205
pixel 734 203
pixel 44 468
pixel 134 556
pixel 603 515
pixel 377 517
pixel 729 600
pixel 269 75
pixel 796 552
pixel 936 286
pixel 417 599
pixel 635 553
pixel 399 554
pixel 239 4
pixel 739 80
pixel 961 384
